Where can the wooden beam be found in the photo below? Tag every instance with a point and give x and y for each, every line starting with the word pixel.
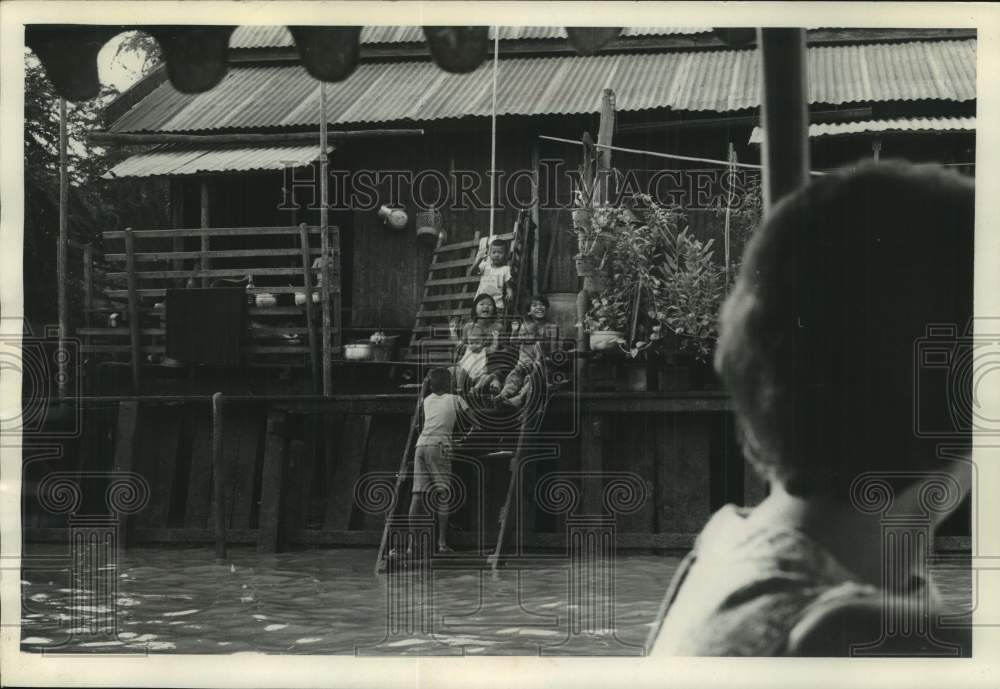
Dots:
pixel 784 112
pixel 283 138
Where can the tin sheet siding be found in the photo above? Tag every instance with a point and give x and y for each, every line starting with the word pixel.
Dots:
pixel 721 81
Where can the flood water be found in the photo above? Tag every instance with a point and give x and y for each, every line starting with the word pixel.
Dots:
pixel 328 601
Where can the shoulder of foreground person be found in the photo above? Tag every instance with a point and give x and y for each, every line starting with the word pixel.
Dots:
pixel 857 626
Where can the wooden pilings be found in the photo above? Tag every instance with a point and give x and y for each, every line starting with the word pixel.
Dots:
pixel 272 483
pixel 218 476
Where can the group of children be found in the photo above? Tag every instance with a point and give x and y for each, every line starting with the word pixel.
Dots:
pixel 497 360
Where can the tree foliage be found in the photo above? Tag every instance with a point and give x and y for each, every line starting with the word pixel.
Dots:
pixel 95 204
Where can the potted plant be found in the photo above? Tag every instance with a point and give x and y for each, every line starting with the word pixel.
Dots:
pixel 606 320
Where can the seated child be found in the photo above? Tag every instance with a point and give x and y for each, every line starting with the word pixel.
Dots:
pixel 816 347
pixel 432 455
pixel 537 338
pixel 495 280
pixel 480 338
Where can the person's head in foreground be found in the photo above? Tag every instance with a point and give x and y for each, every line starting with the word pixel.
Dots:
pixel 818 348
pixel 484 307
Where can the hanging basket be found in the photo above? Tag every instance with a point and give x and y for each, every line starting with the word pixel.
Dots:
pixel 586 265
pixel 582 217
pixel 429 224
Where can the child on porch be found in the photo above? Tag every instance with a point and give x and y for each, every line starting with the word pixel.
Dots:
pixel 495 280
pixel 480 338
pixel 537 338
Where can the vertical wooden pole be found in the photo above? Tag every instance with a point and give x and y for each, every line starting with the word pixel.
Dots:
pixel 325 241
pixel 88 303
pixel 61 272
pixel 133 309
pixel 218 476
pixel 177 221
pixel 784 112
pixel 876 148
pixel 605 132
pixel 308 287
pixel 124 460
pixel 205 218
pixel 536 286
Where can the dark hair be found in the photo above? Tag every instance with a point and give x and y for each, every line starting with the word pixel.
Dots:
pixel 440 380
pixel 480 298
pixel 818 338
pixel 540 298
pixel 501 243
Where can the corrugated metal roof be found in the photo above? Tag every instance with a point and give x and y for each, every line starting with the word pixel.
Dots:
pixel 171 160
pixel 720 81
pixel 279 37
pixel 903 124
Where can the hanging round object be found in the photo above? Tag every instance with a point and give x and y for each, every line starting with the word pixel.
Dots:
pixel 393 218
pixel 458 49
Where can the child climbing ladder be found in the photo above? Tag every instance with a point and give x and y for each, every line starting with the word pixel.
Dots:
pixel 432 456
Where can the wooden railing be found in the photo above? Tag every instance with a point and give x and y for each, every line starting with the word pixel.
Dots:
pixel 132 281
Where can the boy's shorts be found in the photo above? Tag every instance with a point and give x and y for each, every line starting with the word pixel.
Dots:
pixel 431 467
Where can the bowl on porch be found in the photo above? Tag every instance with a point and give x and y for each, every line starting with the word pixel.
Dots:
pixel 606 339
pixel 358 351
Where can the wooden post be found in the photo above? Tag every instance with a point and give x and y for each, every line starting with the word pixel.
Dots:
pixel 204 224
pixel 592 461
pixel 325 240
pixel 177 222
pixel 308 287
pixel 536 286
pixel 876 148
pixel 125 436
pixel 61 249
pixel 272 480
pixel 133 309
pixel 325 301
pixel 88 304
pixel 218 476
pixel 784 112
pixel 605 131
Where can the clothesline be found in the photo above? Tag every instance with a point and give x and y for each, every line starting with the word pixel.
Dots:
pixel 713 161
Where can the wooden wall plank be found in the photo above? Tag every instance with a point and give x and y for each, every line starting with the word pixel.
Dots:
pixel 245 432
pixel 350 457
pixel 294 496
pixel 158 461
pixel 387 438
pixel 199 496
pixel 272 483
pixel 683 490
pixel 632 448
